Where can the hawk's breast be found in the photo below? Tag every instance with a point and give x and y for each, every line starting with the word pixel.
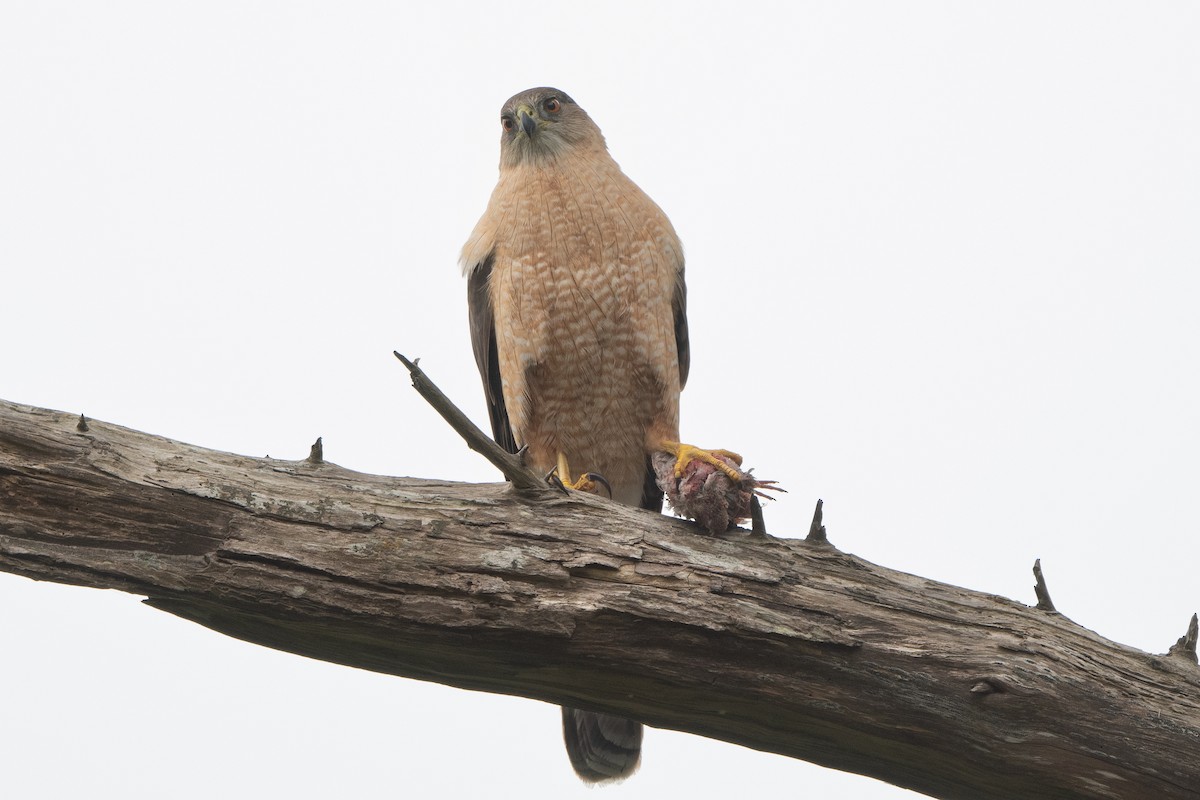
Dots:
pixel 582 283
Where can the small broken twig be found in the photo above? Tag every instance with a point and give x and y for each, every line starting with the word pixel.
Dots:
pixel 1044 603
pixel 316 454
pixel 757 524
pixel 1186 646
pixel 523 479
pixel 816 531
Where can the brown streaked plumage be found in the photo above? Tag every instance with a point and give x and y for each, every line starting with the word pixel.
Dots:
pixel 577 304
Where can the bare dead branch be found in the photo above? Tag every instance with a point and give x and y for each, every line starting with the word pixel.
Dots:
pixel 777 644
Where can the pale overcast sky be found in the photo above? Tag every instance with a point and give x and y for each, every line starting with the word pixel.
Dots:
pixel 944 269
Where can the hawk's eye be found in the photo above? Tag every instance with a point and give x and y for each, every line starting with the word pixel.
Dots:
pixel 507 123
pixel 552 105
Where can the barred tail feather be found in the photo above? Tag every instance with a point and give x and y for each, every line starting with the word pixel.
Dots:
pixel 601 747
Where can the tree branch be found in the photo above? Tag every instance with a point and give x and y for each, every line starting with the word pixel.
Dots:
pixel 777 644
pixel 523 479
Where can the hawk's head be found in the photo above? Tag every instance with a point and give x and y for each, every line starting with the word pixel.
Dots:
pixel 539 124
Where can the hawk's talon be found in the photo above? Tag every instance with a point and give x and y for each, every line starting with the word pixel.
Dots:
pixel 555 481
pixel 596 477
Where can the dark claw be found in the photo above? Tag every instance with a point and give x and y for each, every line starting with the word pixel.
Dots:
pixel 555 481
pixel 603 481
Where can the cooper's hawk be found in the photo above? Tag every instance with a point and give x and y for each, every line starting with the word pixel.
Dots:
pixel 577 308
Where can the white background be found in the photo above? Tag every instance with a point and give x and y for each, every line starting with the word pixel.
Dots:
pixel 943 270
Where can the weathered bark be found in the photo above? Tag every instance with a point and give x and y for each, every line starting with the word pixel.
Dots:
pixel 781 645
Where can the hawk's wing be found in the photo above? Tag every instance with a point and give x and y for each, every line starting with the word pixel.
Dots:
pixel 483 341
pixel 679 309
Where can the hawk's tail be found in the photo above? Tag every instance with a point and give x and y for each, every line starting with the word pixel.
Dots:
pixel 601 747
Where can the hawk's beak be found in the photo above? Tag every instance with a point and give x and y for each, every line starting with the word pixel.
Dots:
pixel 528 123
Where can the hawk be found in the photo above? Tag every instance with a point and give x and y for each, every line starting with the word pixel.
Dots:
pixel 578 322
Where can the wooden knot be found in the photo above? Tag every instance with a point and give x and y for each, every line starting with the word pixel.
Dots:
pixel 988 686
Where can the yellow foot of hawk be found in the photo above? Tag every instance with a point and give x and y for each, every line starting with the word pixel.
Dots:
pixel 686 453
